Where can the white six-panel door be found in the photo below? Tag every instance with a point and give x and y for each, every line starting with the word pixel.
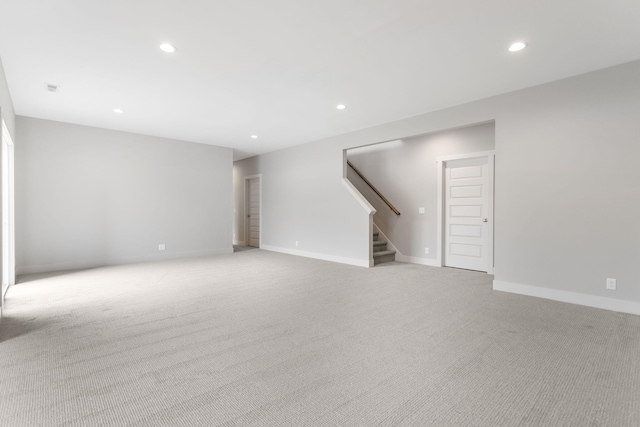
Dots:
pixel 253 216
pixel 467 207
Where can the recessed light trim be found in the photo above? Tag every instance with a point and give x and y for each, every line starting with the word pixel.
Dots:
pixel 254 136
pixel 341 106
pixel 168 47
pixel 517 46
pixel 118 110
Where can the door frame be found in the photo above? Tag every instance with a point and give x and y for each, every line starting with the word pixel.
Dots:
pixel 441 203
pixel 8 212
pixel 246 208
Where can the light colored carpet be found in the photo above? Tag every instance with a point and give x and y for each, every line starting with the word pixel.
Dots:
pixel 266 339
pixel 240 248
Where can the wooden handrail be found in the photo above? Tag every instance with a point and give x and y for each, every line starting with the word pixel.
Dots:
pixel 384 199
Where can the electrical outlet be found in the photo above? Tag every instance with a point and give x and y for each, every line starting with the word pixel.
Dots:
pixel 426 251
pixel 296 243
pixel 420 210
pixel 611 284
pixel 161 247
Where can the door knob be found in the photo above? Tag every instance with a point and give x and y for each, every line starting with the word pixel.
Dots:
pixel 485 220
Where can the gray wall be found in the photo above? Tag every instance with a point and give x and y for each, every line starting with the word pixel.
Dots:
pixel 567 197
pixel 88 197
pixel 304 200
pixel 405 172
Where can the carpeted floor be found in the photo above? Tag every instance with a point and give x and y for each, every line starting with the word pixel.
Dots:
pixel 239 248
pixel 267 339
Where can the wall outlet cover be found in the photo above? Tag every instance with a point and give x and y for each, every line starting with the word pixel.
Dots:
pixel 611 284
pixel 161 247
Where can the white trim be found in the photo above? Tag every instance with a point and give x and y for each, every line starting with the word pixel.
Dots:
pixel 8 212
pixel 245 220
pixel 417 260
pixel 604 303
pixel 368 208
pixel 490 214
pixel 76 265
pixel 440 214
pixel 316 255
pixel 442 160
pixel 465 156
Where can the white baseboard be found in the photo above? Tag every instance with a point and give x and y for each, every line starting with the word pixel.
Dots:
pixel 77 265
pixel 417 260
pixel 316 255
pixel 59 266
pixel 570 297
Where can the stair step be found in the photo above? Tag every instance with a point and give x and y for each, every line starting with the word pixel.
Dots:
pixel 383 256
pixel 376 236
pixel 379 245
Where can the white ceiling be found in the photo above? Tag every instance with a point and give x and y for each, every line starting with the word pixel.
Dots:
pixel 278 68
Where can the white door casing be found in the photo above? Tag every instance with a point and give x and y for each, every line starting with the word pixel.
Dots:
pixel 253 199
pixel 466 211
pixel 8 230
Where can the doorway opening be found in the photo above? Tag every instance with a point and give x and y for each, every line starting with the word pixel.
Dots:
pixel 253 210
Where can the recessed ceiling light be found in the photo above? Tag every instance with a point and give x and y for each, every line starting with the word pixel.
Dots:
pixel 341 107
pixel 517 46
pixel 118 110
pixel 166 47
pixel 254 136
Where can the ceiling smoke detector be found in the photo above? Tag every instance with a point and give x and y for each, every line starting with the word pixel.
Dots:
pixel 51 87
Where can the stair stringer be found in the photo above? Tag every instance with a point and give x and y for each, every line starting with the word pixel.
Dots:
pixel 390 245
pixel 368 208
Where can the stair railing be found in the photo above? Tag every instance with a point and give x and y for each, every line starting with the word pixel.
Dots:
pixel 384 199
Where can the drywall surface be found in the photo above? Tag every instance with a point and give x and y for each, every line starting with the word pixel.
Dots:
pixel 405 172
pixel 567 193
pixel 6 104
pixel 567 197
pixel 87 197
pixel 304 201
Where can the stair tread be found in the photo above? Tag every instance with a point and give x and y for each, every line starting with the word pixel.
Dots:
pixel 383 253
pixel 380 242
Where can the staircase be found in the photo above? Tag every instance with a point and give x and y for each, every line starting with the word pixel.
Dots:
pixel 380 252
